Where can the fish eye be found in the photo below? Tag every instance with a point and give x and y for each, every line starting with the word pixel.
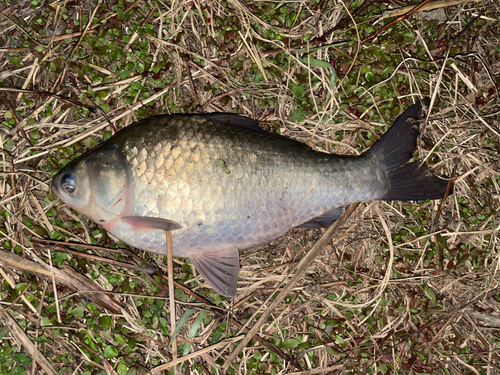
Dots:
pixel 68 182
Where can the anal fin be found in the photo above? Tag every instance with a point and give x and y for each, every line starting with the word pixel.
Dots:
pixel 220 269
pixel 323 221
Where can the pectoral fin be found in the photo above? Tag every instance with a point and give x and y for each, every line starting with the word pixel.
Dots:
pixel 150 223
pixel 220 269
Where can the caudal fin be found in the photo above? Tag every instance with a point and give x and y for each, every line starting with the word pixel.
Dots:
pixel 408 181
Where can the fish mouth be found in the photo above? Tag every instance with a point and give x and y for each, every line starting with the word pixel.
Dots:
pixel 54 188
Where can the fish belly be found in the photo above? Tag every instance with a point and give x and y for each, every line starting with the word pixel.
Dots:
pixel 232 188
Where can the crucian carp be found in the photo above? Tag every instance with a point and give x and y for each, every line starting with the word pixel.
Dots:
pixel 220 184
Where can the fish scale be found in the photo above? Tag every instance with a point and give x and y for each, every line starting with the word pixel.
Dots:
pixel 220 184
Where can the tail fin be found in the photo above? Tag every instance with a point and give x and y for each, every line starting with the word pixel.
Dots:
pixel 408 181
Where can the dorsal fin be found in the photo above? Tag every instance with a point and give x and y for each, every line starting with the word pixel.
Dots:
pixel 246 123
pixel 232 119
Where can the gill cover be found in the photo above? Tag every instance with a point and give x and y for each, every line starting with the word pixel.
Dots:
pixel 97 184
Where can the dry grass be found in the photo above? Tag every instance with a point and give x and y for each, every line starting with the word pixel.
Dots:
pixel 400 290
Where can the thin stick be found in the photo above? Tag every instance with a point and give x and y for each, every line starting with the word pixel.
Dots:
pixel 20 336
pixel 301 270
pixel 59 79
pixel 58 312
pixel 191 82
pixel 171 296
pixel 223 315
pixel 159 369
pixel 317 370
pixel 97 258
pixel 431 6
pixel 438 214
pixel 417 8
pixel 65 276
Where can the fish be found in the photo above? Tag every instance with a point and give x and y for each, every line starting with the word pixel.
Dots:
pixel 220 184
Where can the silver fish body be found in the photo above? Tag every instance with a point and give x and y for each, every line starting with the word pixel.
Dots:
pixel 220 187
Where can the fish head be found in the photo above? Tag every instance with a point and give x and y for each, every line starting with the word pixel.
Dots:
pixel 97 184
